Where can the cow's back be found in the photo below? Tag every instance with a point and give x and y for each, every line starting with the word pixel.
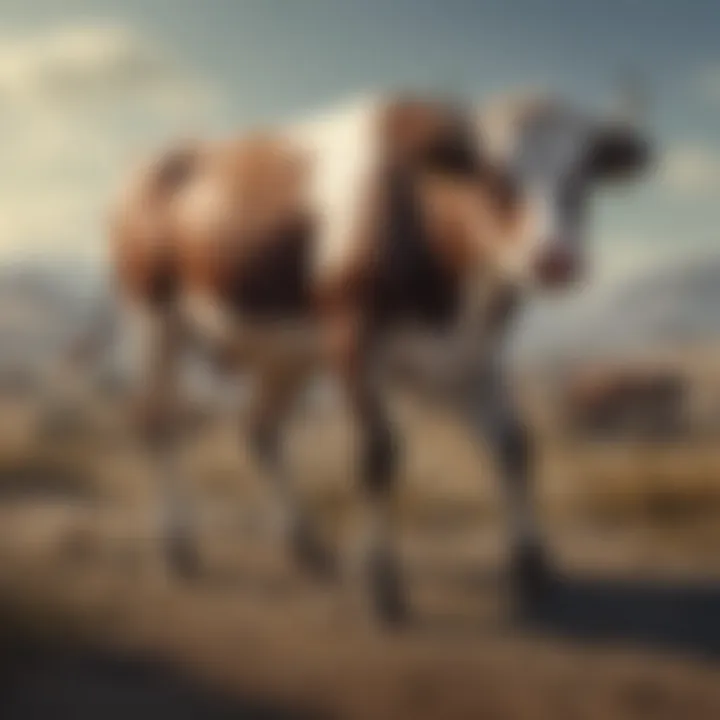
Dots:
pixel 274 224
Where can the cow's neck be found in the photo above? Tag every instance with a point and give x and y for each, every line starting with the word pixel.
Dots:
pixel 503 306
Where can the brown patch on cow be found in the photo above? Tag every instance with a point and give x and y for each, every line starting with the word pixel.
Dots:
pixel 428 224
pixel 426 237
pixel 438 138
pixel 246 242
pixel 264 176
pixel 409 280
pixel 468 222
pixel 257 261
pixel 145 259
pixel 143 241
pixel 410 258
pixel 150 276
pixel 445 205
pixel 418 134
pixel 262 275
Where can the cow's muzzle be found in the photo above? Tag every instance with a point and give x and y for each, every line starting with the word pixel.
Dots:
pixel 557 267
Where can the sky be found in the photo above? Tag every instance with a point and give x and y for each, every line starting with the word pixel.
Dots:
pixel 87 86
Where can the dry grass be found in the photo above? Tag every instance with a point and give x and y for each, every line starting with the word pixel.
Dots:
pixel 79 557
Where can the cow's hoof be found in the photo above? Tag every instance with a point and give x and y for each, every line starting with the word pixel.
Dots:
pixel 531 577
pixel 183 557
pixel 311 554
pixel 387 596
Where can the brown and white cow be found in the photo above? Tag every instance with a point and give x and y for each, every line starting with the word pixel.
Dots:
pixel 632 402
pixel 386 223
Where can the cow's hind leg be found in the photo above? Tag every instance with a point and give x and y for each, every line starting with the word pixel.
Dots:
pixel 159 344
pixel 377 444
pixel 274 397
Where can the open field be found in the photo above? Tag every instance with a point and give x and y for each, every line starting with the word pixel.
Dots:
pixel 632 629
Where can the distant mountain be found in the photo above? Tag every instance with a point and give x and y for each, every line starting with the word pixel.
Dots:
pixel 664 307
pixel 43 304
pixel 73 277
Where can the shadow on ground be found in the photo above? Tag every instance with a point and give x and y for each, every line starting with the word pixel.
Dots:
pixel 41 680
pixel 28 482
pixel 672 616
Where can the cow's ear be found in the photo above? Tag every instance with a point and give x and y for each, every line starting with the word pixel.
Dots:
pixel 617 152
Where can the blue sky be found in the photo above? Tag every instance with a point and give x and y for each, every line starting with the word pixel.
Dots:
pixel 225 63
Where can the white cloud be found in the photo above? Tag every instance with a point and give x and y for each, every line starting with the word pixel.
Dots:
pixel 626 256
pixel 692 170
pixel 76 104
pixel 88 63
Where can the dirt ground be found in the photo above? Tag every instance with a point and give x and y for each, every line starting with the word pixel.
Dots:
pixel 94 626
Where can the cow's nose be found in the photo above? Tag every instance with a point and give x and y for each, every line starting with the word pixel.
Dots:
pixel 556 266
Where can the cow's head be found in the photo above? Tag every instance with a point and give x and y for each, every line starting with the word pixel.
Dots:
pixel 558 156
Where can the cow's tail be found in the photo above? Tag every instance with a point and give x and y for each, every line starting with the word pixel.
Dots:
pixel 174 168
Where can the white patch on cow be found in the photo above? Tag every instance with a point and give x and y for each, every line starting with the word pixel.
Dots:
pixel 341 145
pixel 535 234
pixel 212 323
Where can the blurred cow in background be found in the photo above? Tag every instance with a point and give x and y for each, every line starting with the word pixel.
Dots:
pixel 391 232
pixel 627 403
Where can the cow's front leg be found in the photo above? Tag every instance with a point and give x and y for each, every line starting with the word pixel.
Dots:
pixel 158 338
pixel 512 445
pixel 275 393
pixel 378 473
pixel 494 417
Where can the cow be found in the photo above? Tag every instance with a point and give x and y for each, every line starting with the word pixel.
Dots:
pixel 337 243
pixel 612 402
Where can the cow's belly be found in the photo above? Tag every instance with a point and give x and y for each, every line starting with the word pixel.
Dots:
pixel 252 342
pixel 433 361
